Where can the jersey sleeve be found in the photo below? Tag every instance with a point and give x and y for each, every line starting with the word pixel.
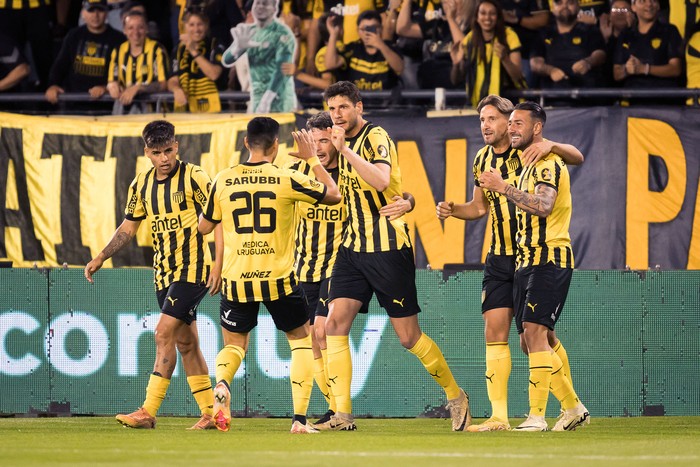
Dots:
pixel 212 208
pixel 476 168
pixel 201 185
pixel 548 171
pixel 305 188
pixel 380 149
pixel 134 206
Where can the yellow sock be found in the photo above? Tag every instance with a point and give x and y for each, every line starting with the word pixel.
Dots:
pixel 498 364
pixel 432 359
pixel 340 371
pixel 201 390
pixel 540 377
pixel 155 393
pixel 320 378
pixel 227 362
pixel 331 404
pixel 561 385
pixel 564 357
pixel 301 373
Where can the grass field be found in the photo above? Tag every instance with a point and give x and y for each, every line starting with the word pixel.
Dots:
pixel 672 441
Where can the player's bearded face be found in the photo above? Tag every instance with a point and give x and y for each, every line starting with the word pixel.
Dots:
pixel 521 129
pixel 345 114
pixel 494 126
pixel 325 150
pixel 163 159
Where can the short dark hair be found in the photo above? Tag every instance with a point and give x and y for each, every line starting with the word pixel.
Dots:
pixel 369 15
pixel 262 132
pixel 536 111
pixel 321 121
pixel 158 134
pixel 502 104
pixel 345 89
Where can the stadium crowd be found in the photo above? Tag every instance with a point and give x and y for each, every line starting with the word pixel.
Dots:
pixel 126 48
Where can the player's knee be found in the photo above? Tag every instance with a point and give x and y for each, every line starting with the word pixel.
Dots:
pixel 185 346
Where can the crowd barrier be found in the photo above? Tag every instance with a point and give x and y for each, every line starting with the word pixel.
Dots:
pixel 68 347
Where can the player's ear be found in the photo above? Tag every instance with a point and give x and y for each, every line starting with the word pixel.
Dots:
pixel 360 107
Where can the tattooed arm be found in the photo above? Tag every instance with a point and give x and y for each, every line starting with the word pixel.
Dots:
pixel 123 235
pixel 539 203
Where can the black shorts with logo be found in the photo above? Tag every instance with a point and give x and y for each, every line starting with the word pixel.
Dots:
pixel 180 300
pixel 316 298
pixel 390 275
pixel 540 294
pixel 497 286
pixel 288 312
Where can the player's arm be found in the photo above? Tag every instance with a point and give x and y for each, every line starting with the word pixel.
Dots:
pixel 400 206
pixel 214 282
pixel 536 151
pixel 540 203
pixel 205 226
pixel 377 175
pixel 122 236
pixel 307 152
pixel 474 209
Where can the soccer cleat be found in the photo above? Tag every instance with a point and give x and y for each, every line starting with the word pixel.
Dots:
pixel 571 419
pixel 533 423
pixel 492 424
pixel 298 428
pixel 341 422
pixel 138 419
pixel 323 423
pixel 459 411
pixel 222 407
pixel 206 422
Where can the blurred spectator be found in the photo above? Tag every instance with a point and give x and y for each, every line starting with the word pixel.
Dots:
pixel 30 22
pixel 268 43
pixel 349 12
pixel 568 54
pixel 81 65
pixel 611 26
pixel 224 15
pixel 137 66
pixel 591 11
pixel 684 15
pixel 526 17
pixel 692 61
pixel 429 24
pixel 196 66
pixel 648 55
pixel 13 67
pixel 489 59
pixel 323 77
pixel 370 63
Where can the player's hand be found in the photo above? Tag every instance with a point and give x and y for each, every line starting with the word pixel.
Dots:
pixel 338 137
pixel 557 74
pixel 306 147
pixel 536 151
pixel 492 180
pixel 214 282
pixel 91 268
pixel 243 36
pixel 444 209
pixel 398 208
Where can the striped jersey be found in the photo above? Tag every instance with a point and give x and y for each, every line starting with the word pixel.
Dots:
pixel 171 207
pixel 202 95
pixel 502 213
pixel 543 240
pixel 365 229
pixel 23 4
pixel 255 202
pixel 319 232
pixel 148 67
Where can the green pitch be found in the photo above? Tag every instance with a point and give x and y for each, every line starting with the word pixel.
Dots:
pixel 669 441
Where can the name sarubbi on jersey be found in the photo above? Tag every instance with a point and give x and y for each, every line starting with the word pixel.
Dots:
pixel 253 180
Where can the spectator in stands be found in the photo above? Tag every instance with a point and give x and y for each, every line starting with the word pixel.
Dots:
pixel 137 66
pixel 30 22
pixel 526 17
pixel 13 67
pixel 611 26
pixel 592 11
pixel 430 25
pixel 196 66
pixel 370 63
pixel 489 59
pixel 684 15
pixel 81 65
pixel 692 61
pixel 568 53
pixel 323 77
pixel 650 54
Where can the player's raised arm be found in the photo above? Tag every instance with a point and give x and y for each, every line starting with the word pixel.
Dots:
pixel 122 236
pixel 474 209
pixel 307 152
pixel 536 151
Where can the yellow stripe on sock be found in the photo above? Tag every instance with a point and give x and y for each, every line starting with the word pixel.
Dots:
pixel 202 392
pixel 540 378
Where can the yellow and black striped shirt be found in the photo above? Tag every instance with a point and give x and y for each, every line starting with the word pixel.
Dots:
pixel 23 4
pixel 319 233
pixel 543 240
pixel 365 229
pixel 202 95
pixel 255 202
pixel 502 213
pixel 171 207
pixel 148 67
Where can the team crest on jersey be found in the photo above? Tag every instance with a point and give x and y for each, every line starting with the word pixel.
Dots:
pixel 91 48
pixel 656 43
pixel 179 197
pixel 315 184
pixel 383 151
pixel 576 40
pixel 546 175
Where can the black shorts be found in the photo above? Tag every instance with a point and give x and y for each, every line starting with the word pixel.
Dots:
pixel 287 312
pixel 316 298
pixel 390 275
pixel 180 300
pixel 497 286
pixel 540 294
